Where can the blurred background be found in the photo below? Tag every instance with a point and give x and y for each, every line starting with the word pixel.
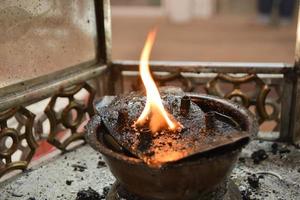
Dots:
pixel 206 30
pixel 43 36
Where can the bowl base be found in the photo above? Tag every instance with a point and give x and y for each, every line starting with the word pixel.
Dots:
pixel 228 190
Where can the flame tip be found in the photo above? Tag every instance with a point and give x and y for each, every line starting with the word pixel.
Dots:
pixel 158 117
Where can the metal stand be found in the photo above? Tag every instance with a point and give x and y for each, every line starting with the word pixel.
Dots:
pixel 228 190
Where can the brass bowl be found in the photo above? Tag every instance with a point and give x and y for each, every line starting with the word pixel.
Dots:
pixel 189 178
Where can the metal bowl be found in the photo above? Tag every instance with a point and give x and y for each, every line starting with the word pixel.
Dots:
pixel 189 178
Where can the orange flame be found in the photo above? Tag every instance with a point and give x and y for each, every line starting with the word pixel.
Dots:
pixel 154 111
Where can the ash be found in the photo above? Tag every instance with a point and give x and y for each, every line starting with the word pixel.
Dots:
pixel 275 176
pixel 280 175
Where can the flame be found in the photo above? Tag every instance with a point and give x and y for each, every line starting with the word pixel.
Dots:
pixel 154 111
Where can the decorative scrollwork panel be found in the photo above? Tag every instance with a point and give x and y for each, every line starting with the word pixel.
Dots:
pixel 250 91
pixel 17 143
pixel 67 113
pixel 59 120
